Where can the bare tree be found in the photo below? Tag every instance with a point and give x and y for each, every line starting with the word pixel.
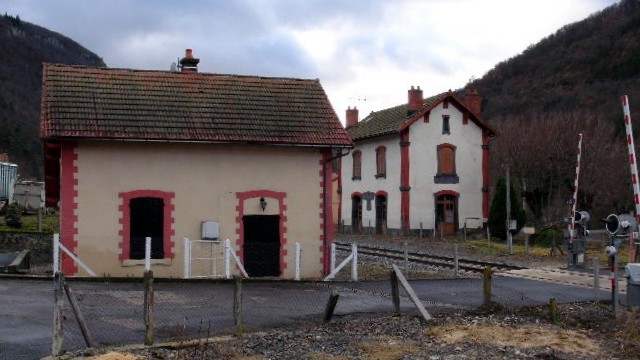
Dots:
pixel 542 153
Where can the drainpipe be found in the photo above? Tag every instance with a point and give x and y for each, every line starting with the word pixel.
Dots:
pixel 328 221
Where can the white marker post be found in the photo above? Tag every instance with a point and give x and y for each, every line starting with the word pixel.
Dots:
pixel 147 253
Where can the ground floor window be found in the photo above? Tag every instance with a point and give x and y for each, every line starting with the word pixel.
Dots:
pixel 146 213
pixel 146 216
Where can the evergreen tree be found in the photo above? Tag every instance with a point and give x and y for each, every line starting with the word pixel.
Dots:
pixel 498 214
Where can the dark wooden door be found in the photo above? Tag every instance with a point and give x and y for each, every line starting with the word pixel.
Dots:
pixel 356 214
pixel 447 214
pixel 146 220
pixel 381 214
pixel 262 245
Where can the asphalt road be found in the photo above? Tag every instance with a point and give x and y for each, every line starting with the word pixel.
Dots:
pixel 194 310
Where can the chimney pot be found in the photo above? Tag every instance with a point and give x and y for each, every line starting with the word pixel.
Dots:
pixel 188 63
pixel 473 100
pixel 352 117
pixel 415 100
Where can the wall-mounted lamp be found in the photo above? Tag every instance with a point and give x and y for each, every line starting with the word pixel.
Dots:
pixel 263 203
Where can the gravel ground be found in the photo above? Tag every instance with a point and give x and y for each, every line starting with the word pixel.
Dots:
pixel 583 331
pixel 580 331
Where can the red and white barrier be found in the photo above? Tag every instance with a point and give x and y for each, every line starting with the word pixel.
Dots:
pixel 634 171
pixel 575 192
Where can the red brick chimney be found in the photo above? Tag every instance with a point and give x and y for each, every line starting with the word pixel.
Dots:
pixel 352 117
pixel 415 100
pixel 473 100
pixel 188 63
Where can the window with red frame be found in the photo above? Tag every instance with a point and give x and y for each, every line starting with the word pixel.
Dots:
pixel 357 165
pixel 446 165
pixel 381 162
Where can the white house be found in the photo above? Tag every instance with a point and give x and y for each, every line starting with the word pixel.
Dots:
pixel 419 165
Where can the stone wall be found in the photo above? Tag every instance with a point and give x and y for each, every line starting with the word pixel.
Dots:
pixel 40 245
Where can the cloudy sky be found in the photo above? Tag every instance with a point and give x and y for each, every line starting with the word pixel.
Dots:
pixel 365 53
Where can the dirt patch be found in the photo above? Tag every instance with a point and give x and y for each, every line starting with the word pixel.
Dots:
pixel 523 337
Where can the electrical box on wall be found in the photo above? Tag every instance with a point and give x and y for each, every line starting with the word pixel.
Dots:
pixel 210 230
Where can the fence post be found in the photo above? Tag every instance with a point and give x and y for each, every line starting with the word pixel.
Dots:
pixel 147 254
pixel 187 259
pixel 553 310
pixel 227 259
pixel 297 262
pixel 486 285
pixel 354 262
pixel 420 229
pixel 148 308
pixel 596 276
pixel 331 306
pixel 406 260
pixel 395 292
pixel 237 305
pixel 456 261
pixel 333 257
pixel 57 343
pixel 56 253
pixel 79 317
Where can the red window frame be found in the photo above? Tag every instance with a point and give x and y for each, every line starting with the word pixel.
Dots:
pixel 357 165
pixel 381 162
pixel 446 159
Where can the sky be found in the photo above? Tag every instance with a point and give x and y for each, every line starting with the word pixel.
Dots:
pixel 365 53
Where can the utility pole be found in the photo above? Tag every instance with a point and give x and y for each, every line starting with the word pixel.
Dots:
pixel 509 238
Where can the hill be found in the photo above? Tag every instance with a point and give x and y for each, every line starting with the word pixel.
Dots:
pixel 569 83
pixel 587 64
pixel 24 48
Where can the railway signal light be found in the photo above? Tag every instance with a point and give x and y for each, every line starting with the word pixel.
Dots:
pixel 620 224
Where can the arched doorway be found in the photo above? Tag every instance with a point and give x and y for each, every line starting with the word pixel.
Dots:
pixel 447 213
pixel 381 214
pixel 356 213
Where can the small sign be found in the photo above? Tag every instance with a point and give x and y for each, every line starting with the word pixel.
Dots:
pixel 368 196
pixel 528 230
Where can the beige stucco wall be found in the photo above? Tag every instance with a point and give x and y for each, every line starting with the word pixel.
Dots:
pixel 205 180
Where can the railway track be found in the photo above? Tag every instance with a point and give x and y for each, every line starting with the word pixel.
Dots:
pixel 428 259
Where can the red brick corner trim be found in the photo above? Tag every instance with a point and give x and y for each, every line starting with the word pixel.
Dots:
pixel 125 220
pixel 69 204
pixel 282 207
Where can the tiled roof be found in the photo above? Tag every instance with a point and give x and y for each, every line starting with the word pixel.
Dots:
pixel 388 121
pixel 394 119
pixel 100 103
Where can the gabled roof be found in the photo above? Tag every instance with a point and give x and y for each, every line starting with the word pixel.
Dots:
pixel 395 119
pixel 100 103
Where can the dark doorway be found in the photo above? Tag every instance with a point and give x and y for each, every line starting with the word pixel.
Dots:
pixel 356 214
pixel 381 214
pixel 262 245
pixel 447 214
pixel 146 220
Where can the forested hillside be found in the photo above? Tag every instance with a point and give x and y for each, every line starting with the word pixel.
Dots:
pixel 587 64
pixel 569 83
pixel 24 48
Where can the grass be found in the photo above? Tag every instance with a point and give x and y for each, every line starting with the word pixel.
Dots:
pixel 482 246
pixel 50 224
